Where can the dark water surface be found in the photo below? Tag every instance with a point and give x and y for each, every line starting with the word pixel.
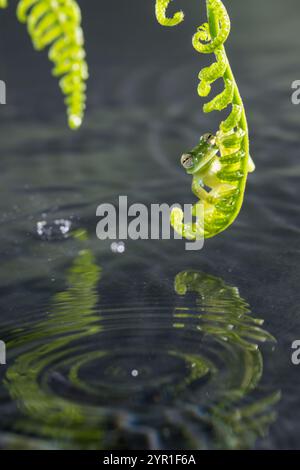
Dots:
pixel 156 347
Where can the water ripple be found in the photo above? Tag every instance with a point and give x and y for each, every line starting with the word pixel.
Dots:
pixel 184 374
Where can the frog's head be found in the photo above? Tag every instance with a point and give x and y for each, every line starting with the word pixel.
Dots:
pixel 200 155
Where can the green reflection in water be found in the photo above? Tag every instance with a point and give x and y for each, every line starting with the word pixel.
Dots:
pixel 62 345
pixel 72 317
pixel 225 318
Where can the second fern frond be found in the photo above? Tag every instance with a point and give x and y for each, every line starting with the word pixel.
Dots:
pixel 57 24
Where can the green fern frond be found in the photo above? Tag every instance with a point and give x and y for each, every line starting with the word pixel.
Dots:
pixel 57 23
pixel 161 8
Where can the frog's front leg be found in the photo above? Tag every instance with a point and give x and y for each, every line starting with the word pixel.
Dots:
pixel 199 190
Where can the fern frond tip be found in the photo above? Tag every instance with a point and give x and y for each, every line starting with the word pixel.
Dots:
pixel 57 24
pixel 160 11
pixel 74 121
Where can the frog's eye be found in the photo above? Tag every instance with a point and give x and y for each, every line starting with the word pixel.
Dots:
pixel 209 138
pixel 187 160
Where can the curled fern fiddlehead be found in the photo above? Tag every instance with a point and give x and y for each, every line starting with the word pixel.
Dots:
pixel 161 8
pixel 219 164
pixel 56 23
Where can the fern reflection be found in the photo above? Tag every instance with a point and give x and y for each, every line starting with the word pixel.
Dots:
pixel 68 375
pixel 231 340
pixel 72 318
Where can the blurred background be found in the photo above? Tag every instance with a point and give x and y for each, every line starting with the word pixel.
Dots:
pixel 156 347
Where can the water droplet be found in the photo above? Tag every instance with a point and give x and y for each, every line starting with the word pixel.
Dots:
pixel 53 230
pixel 134 373
pixel 117 247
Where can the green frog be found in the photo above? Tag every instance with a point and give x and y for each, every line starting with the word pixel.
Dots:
pixel 204 163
